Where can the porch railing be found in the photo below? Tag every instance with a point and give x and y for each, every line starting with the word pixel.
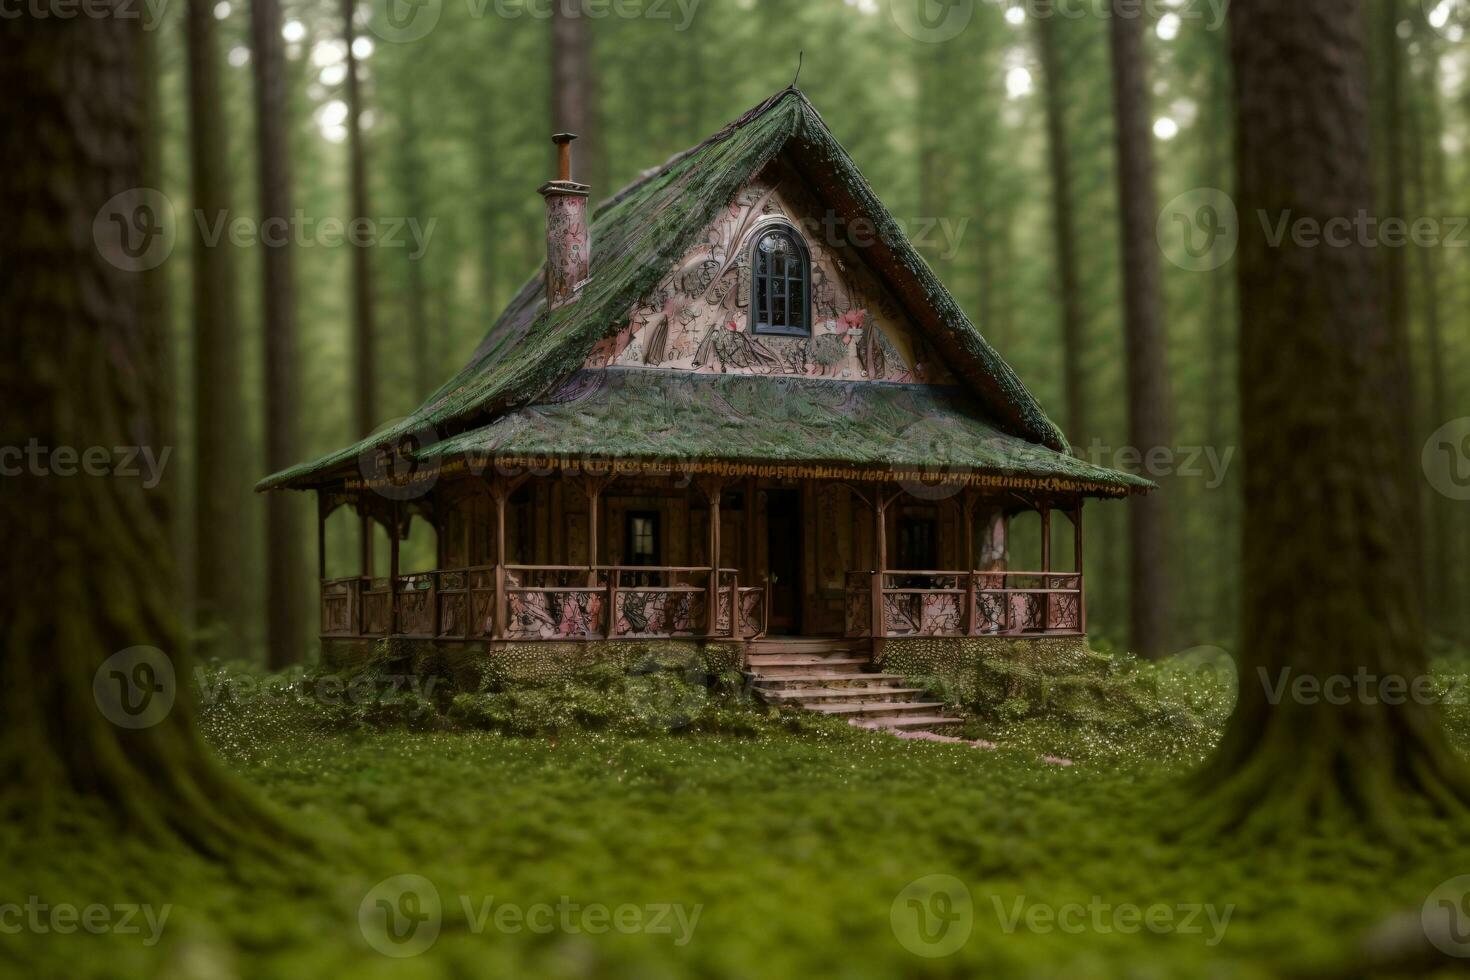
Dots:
pixel 546 602
pixel 961 604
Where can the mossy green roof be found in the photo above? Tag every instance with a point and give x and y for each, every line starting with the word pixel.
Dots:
pixel 677 417
pixel 638 234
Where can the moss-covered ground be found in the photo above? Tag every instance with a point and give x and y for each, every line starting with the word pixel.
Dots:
pixel 804 849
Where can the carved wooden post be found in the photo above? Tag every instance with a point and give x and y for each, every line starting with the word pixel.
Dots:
pixel 713 489
pixel 321 537
pixel 499 494
pixel 967 509
pixel 752 573
pixel 1046 567
pixel 880 562
pixel 393 533
pixel 1077 548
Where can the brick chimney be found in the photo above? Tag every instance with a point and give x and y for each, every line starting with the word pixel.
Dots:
pixel 568 239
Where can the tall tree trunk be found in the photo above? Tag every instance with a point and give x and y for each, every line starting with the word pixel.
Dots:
pixel 1429 193
pixel 92 571
pixel 1396 260
pixel 284 574
pixel 1063 227
pixel 574 92
pixel 1225 517
pixel 364 374
pixel 219 497
pixel 1328 531
pixel 1145 337
pixel 411 181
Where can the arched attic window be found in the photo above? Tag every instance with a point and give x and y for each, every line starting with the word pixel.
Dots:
pixel 780 283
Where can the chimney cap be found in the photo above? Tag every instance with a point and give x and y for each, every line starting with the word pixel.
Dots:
pixel 562 138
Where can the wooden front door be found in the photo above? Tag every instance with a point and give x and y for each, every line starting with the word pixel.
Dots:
pixel 783 559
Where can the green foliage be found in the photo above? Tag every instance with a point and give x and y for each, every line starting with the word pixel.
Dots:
pixel 1058 696
pixel 796 845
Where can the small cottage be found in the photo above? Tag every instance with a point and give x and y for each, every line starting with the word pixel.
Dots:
pixel 734 405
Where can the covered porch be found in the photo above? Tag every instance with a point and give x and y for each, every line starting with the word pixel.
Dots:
pixel 636 551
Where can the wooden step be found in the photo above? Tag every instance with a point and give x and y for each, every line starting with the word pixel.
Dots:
pixel 863 709
pixel 837 695
pixel 905 722
pixel 826 679
pixel 808 669
pixel 760 663
pixel 804 645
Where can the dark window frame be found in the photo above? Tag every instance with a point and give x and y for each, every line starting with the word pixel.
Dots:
pixel 916 534
pixel 762 285
pixel 630 555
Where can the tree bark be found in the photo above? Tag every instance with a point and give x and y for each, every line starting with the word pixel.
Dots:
pixel 1328 533
pixel 1396 260
pixel 1426 161
pixel 1145 336
pixel 284 570
pixel 574 92
pixel 364 374
pixel 93 570
pixel 1064 237
pixel 411 181
pixel 219 497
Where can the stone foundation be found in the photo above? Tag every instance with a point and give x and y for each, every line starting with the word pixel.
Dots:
pixel 471 665
pixel 970 671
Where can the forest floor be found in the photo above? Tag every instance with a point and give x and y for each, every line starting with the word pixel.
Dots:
pixel 819 851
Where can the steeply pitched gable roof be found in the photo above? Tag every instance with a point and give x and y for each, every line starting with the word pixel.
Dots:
pixel 639 233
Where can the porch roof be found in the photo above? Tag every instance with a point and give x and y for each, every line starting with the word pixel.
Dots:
pixel 685 420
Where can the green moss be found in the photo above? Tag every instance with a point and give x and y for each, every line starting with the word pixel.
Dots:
pixel 639 234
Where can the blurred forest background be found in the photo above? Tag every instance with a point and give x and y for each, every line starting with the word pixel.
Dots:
pixel 1005 132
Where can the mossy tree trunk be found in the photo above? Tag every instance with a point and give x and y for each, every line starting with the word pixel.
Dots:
pixel 364 339
pixel 92 568
pixel 1145 336
pixel 1069 275
pixel 219 494
pixel 1329 539
pixel 285 576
